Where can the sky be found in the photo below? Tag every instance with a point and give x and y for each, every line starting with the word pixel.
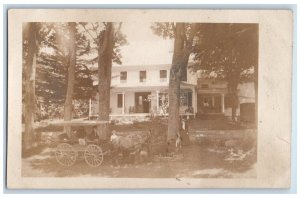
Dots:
pixel 144 47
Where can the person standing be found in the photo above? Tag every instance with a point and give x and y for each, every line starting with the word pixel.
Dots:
pixel 184 133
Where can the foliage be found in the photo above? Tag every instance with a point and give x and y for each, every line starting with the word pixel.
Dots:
pixel 95 31
pixel 81 108
pixel 53 60
pixel 167 30
pixel 52 67
pixel 227 51
pixel 55 110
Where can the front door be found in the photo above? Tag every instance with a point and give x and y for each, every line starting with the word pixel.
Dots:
pixel 142 103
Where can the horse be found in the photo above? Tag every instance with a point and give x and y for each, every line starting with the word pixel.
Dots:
pixel 130 146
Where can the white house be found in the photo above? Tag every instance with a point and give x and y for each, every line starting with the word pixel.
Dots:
pixel 142 90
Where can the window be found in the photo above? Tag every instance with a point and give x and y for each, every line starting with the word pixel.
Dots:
pixel 142 76
pixel 204 86
pixel 123 77
pixel 163 75
pixel 120 100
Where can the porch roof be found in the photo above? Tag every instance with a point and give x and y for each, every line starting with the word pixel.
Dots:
pixel 140 88
pixel 161 88
pixel 185 85
pixel 212 91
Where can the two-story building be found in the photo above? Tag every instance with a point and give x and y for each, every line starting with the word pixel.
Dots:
pixel 138 91
pixel 142 90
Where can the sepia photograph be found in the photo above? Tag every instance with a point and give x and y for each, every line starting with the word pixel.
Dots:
pixel 140 99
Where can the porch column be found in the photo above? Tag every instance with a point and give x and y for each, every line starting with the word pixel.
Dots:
pixel 157 101
pixel 123 102
pixel 194 101
pixel 90 108
pixel 222 103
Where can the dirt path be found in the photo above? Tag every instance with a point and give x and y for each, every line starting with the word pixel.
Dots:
pixel 197 162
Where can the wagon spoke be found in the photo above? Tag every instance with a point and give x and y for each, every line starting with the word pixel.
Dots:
pixel 93 155
pixel 65 154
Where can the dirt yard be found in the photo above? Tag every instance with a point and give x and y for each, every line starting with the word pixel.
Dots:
pixel 197 162
pixel 218 150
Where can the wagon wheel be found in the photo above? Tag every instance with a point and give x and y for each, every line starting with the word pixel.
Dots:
pixel 65 154
pixel 93 155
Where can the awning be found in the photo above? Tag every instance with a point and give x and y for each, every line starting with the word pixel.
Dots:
pixel 185 85
pixel 161 88
pixel 212 91
pixel 140 88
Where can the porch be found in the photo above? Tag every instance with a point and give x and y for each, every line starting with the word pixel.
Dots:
pixel 140 103
pixel 211 101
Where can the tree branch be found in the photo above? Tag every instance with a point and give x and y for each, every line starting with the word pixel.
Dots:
pixel 118 29
pixel 94 28
pixel 173 27
pixel 89 32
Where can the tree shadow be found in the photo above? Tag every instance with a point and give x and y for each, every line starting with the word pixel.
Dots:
pixel 197 162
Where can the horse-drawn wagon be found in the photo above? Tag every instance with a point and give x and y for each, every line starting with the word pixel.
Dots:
pixel 71 147
pixel 91 147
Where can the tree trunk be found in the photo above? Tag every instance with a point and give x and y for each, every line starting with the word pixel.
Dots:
pixel 174 102
pixel 105 54
pixel 29 35
pixel 182 51
pixel 256 76
pixel 71 77
pixel 233 91
pixel 174 83
pixel 235 103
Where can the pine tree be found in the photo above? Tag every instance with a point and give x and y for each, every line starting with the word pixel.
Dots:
pixel 52 69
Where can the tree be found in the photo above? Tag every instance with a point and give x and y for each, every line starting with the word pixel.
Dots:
pixel 30 49
pixel 183 35
pixel 70 75
pixel 107 42
pixel 53 63
pixel 228 52
pixel 107 39
pixel 105 53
